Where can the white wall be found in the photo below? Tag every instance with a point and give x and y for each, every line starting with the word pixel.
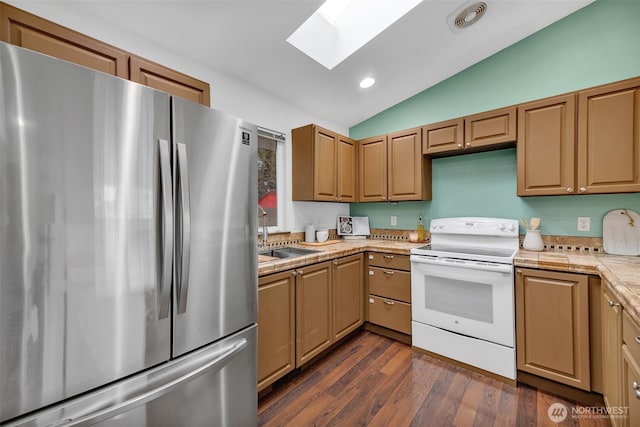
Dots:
pixel 228 94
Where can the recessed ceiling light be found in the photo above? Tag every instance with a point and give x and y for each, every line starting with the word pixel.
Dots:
pixel 367 82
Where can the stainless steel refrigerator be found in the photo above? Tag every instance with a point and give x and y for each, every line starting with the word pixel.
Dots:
pixel 128 267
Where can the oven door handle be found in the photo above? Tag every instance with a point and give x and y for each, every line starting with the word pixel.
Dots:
pixel 458 263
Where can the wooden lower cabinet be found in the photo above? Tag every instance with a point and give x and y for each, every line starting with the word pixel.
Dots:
pixel 630 370
pixel 276 327
pixel 552 326
pixel 389 291
pixel 314 311
pixel 348 295
pixel 611 357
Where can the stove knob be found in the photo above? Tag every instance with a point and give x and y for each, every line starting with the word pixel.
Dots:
pixel 440 226
pixel 501 227
pixel 511 227
pixel 434 225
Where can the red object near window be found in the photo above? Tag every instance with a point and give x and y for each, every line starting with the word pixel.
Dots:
pixel 268 200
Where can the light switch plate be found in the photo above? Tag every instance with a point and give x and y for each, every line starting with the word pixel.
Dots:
pixel 584 223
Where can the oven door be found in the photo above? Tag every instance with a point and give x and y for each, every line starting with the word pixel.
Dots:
pixel 473 298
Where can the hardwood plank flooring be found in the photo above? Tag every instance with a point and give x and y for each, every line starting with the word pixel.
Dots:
pixel 374 381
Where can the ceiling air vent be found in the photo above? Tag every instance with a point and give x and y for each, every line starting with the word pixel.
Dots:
pixel 466 15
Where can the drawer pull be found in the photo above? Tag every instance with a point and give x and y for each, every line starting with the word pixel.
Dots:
pixel 388 273
pixel 637 340
pixel 635 385
pixel 638 394
pixel 614 304
pixel 387 302
pixel 387 256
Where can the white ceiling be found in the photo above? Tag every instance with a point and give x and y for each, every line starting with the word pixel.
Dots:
pixel 247 40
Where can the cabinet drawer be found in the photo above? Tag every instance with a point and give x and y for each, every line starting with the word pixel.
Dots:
pixel 400 262
pixel 631 335
pixel 394 284
pixel 391 314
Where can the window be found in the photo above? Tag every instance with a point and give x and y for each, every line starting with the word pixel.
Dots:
pixel 268 165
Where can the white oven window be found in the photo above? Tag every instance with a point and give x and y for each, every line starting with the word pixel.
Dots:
pixel 461 298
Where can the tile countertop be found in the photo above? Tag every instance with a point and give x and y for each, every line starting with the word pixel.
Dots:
pixel 337 250
pixel 622 273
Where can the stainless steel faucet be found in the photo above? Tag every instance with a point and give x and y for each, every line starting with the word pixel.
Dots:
pixel 265 233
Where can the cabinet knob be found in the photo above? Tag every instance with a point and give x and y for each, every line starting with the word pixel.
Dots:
pixel 519 271
pixel 300 272
pixel 637 340
pixel 468 144
pixel 335 262
pixel 569 190
pixel 583 190
pixel 459 145
pixel 293 273
pixel 613 304
pixel 635 385
pixel 638 394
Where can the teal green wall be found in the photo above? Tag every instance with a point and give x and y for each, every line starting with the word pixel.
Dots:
pixel 598 44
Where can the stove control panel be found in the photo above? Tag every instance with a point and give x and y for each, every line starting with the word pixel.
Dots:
pixel 475 226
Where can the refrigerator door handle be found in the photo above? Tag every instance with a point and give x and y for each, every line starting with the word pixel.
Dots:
pixel 220 360
pixel 185 227
pixel 167 229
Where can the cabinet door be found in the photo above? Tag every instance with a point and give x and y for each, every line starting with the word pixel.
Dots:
pixel 546 146
pixel 630 387
pixel 276 327
pixel 313 311
pixel 348 295
pixel 167 80
pixel 609 138
pixel 612 344
pixel 372 170
pixel 443 137
pixel 489 128
pixel 32 32
pixel 347 174
pixel 324 165
pixel 552 326
pixel 406 175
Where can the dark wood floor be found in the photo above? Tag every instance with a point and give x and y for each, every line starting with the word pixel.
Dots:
pixel 375 381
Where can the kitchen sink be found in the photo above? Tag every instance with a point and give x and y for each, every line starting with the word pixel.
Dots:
pixel 287 252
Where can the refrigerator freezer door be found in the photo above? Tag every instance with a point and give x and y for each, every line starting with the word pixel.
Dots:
pixel 216 260
pixel 81 230
pixel 214 386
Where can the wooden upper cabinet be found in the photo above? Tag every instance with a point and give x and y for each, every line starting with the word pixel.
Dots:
pixel 490 128
pixel 409 173
pixel 324 165
pixel 347 170
pixel 167 80
pixel 443 137
pixel 546 146
pixel 372 170
pixel 23 29
pixel 609 138
pixel 552 326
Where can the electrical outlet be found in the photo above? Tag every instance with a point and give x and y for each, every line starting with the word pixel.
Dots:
pixel 394 220
pixel 584 223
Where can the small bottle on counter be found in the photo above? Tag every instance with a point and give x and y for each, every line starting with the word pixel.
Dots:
pixel 420 229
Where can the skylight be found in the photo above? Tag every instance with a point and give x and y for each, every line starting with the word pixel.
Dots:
pixel 340 27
